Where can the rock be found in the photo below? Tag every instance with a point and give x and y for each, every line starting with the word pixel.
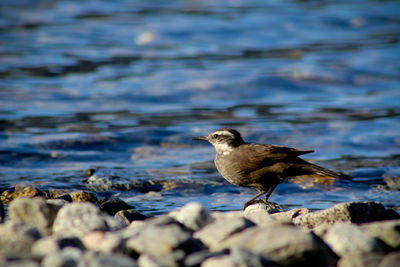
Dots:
pixel 172 259
pixel 288 216
pixel 269 207
pixel 57 202
pixel 390 260
pixel 67 257
pixel 77 219
pixel 284 244
pixel 386 231
pixel 58 194
pixel 128 216
pixel 346 238
pixel 222 260
pixel 8 195
pixel 258 213
pixel 95 259
pixel 34 211
pixel 360 260
pixel 192 215
pixel 51 245
pixel 156 239
pixel 237 257
pixel 113 205
pixel 196 258
pixel 82 196
pixel 109 243
pixel 20 263
pixel 355 212
pixel 17 238
pixel 212 234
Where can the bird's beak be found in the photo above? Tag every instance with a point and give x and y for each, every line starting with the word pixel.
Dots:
pixel 202 138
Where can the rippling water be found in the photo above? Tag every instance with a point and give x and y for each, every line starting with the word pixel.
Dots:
pixel 122 86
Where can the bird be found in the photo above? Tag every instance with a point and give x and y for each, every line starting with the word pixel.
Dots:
pixel 259 166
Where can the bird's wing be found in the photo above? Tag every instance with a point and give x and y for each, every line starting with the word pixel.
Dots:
pixel 251 156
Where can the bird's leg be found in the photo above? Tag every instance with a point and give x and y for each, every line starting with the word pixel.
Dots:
pixel 248 203
pixel 269 192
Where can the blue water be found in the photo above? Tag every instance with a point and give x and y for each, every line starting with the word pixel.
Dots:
pixel 122 86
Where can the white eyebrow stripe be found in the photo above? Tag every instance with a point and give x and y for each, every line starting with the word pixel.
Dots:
pixel 224 133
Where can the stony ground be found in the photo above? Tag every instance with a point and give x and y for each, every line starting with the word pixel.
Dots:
pixel 78 230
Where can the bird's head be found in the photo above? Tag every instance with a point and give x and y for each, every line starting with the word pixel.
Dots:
pixel 224 140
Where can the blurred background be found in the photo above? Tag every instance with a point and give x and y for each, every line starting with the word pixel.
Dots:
pixel 121 87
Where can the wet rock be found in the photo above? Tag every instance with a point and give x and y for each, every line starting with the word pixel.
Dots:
pixel 284 244
pixel 288 216
pixel 356 212
pixel 17 238
pixel 97 183
pixel 51 245
pixel 82 196
pixel 258 213
pixel 67 257
pixel 212 234
pixel 95 259
pixel 360 260
pixel 77 219
pixel 128 216
pixel 192 215
pixel 112 205
pixel 57 194
pixel 391 260
pixel 346 238
pixel 8 195
pixel 35 211
pixel 386 231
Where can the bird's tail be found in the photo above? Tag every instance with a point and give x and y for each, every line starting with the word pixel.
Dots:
pixel 320 171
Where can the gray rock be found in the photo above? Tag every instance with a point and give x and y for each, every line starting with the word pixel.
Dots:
pixel 95 259
pixel 17 238
pixel 192 215
pixel 49 245
pixel 57 202
pixel 20 263
pixel 173 259
pixel 346 238
pixel 390 260
pixel 111 243
pixel 360 260
pixel 386 231
pixel 77 219
pixel 222 260
pixel 156 239
pixel 196 258
pixel 356 212
pixel 288 216
pixel 212 234
pixel 67 257
pixel 258 214
pixel 128 216
pixel 35 211
pixel 283 244
pixel 269 207
pixel 238 257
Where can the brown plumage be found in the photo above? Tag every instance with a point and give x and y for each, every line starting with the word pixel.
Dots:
pixel 260 166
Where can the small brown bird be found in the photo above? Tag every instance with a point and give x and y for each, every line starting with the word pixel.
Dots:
pixel 259 166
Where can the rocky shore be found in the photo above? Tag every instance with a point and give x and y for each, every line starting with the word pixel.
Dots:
pixel 82 231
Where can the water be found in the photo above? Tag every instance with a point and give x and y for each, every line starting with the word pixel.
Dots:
pixel 122 86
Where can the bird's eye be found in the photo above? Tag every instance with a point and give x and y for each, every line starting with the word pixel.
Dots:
pixel 215 135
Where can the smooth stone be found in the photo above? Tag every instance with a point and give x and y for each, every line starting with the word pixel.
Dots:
pixel 386 231
pixel 17 238
pixel 390 260
pixel 360 260
pixel 196 258
pixel 128 216
pixel 109 243
pixel 49 245
pixel 67 257
pixel 258 214
pixel 96 259
pixel 345 238
pixel 288 216
pixel 192 215
pixel 237 257
pixel 212 234
pixel 35 211
pixel 78 219
pixel 20 263
pixel 173 259
pixel 269 207
pixel 356 212
pixel 282 243
pixel 57 202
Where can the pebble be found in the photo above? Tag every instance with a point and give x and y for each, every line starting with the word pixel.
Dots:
pixel 39 232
